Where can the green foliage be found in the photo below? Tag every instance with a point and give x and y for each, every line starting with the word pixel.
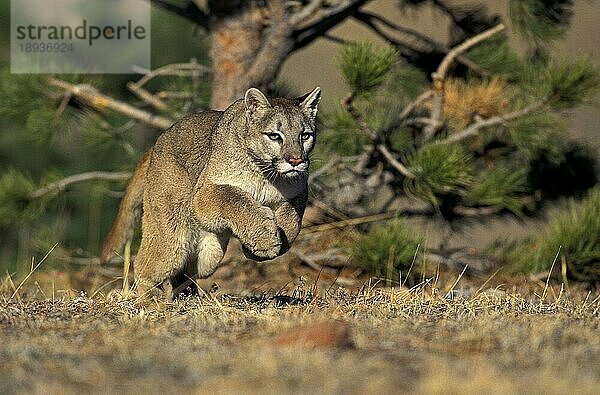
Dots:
pixel 576 230
pixel 15 201
pixel 536 133
pixel 439 169
pixel 541 20
pixel 20 94
pixel 499 186
pixel 364 67
pixel 387 250
pixel 342 134
pixel 406 81
pixel 571 83
pixel 495 56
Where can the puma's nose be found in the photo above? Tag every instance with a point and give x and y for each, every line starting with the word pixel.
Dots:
pixel 295 161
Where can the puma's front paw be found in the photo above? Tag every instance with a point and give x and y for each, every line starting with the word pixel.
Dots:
pixel 263 242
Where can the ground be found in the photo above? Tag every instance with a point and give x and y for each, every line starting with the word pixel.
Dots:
pixel 302 336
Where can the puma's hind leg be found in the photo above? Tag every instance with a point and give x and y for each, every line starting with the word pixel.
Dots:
pixel 162 254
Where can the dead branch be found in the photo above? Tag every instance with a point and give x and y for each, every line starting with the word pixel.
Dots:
pixel 435 45
pixel 306 12
pixel 481 123
pixel 99 101
pixel 379 146
pixel 307 260
pixel 334 15
pixel 61 185
pixel 192 69
pixel 394 162
pixel 439 78
pixel 360 220
pixel 442 69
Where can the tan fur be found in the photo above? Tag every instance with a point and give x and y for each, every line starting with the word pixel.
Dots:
pixel 215 175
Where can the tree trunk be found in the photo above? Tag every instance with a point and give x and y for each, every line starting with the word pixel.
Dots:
pixel 249 45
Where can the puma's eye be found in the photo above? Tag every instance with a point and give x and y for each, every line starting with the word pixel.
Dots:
pixel 305 136
pixel 274 136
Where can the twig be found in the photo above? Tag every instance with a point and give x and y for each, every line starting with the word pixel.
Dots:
pixel 408 110
pixel 31 271
pixel 474 128
pixel 335 14
pixel 100 101
pixel 423 38
pixel 364 127
pixel 92 175
pixel 550 273
pixel 439 77
pixel 173 69
pixel 310 262
pixel 146 96
pixel 360 220
pixel 393 162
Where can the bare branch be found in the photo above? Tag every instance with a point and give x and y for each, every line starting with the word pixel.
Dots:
pixel 408 110
pixel 439 77
pixel 304 36
pixel 99 101
pixel 192 69
pixel 190 12
pixel 437 46
pixel 362 220
pixel 440 74
pixel 305 13
pixel 61 185
pixel 394 162
pixel 474 128
pixel 402 46
pixel 362 123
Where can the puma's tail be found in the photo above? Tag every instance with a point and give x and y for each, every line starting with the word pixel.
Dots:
pixel 129 214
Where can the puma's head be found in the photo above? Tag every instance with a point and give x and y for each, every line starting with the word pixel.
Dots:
pixel 281 132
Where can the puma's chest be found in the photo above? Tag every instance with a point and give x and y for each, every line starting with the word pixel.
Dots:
pixel 261 189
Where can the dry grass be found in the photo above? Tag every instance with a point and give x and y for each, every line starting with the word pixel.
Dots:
pixel 414 341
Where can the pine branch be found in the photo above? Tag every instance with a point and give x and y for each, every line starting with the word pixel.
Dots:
pixel 190 11
pixel 474 128
pixel 336 14
pixel 439 78
pixel 100 101
pixel 61 185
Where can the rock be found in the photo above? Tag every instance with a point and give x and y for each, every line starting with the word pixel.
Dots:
pixel 328 334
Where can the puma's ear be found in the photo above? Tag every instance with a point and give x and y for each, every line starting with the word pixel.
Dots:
pixel 310 102
pixel 256 103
